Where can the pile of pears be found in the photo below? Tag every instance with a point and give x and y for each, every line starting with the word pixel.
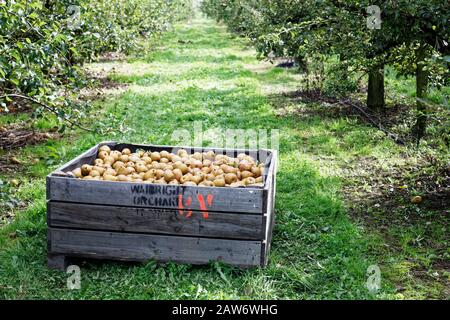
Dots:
pixel 206 169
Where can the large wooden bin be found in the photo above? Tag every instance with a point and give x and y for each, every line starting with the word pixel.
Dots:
pixel 139 222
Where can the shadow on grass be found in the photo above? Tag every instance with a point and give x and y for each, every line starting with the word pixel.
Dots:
pixel 207 73
pixel 189 56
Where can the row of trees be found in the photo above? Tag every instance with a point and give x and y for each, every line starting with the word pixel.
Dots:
pixel 43 43
pixel 356 36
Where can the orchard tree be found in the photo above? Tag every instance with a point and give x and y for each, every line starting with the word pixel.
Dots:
pixel 408 35
pixel 421 29
pixel 44 42
pixel 269 24
pixel 365 35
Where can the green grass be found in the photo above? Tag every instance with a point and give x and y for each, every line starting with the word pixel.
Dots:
pixel 318 251
pixel 406 87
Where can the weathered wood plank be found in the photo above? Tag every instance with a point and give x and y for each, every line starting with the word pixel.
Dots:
pixel 86 157
pixel 57 261
pixel 269 217
pixel 245 200
pixel 143 247
pixel 153 220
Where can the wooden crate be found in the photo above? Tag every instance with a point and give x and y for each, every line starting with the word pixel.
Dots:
pixel 140 222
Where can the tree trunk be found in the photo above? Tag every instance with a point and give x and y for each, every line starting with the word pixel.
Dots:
pixel 375 91
pixel 301 63
pixel 344 66
pixel 421 93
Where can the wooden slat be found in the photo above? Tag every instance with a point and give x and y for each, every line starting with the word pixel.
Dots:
pixel 57 261
pixel 143 247
pixel 269 217
pixel 86 157
pixel 153 220
pixel 245 200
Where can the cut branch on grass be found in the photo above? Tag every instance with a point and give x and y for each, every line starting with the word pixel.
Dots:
pixel 47 107
pixel 370 119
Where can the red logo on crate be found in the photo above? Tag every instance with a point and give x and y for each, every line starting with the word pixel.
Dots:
pixel 201 201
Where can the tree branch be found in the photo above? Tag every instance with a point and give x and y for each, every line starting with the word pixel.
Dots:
pixel 47 107
pixel 373 122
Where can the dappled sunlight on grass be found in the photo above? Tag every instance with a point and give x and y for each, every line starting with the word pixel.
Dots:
pixel 159 89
